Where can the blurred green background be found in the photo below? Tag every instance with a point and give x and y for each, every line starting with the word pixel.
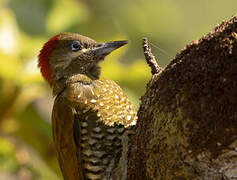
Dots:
pixel 26 150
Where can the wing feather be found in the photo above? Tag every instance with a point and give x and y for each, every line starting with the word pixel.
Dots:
pixel 64 135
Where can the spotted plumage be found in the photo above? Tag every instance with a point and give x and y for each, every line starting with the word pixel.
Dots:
pixel 106 98
pixel 104 112
pixel 92 117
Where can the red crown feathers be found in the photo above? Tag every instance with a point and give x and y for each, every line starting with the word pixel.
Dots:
pixel 43 58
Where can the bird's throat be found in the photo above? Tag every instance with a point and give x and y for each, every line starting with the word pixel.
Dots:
pixel 94 72
pixel 61 84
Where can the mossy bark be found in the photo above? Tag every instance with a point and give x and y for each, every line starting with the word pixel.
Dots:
pixel 187 121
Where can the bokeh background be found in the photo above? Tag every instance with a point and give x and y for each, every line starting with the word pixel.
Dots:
pixel 26 149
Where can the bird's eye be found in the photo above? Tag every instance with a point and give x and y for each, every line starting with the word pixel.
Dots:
pixel 76 46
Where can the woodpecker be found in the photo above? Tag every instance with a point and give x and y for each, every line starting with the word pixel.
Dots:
pixel 91 115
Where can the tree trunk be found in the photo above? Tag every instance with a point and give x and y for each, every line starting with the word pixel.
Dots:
pixel 187 121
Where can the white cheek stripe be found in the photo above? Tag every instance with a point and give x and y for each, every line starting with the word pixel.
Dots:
pixel 75 54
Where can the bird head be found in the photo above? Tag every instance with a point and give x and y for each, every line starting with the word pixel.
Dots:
pixel 67 54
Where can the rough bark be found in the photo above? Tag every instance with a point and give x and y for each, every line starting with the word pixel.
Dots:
pixel 187 121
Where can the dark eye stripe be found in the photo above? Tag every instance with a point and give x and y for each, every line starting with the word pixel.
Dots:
pixel 76 46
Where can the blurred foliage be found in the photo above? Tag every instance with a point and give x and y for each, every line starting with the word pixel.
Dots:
pixel 26 149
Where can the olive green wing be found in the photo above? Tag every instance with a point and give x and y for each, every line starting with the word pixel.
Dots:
pixel 64 124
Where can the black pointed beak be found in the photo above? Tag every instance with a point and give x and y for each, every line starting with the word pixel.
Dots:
pixel 103 49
